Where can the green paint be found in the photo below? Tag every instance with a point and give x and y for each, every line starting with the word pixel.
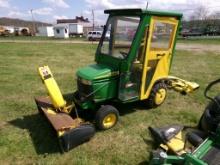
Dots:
pixel 95 72
pixel 110 76
pixel 145 12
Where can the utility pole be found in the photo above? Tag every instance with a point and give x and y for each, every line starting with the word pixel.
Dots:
pixel 147 5
pixel 33 22
pixel 93 20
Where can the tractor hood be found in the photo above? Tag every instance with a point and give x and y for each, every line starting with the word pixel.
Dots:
pixel 97 71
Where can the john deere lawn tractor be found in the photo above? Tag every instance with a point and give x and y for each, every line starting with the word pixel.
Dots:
pixel 131 64
pixel 199 146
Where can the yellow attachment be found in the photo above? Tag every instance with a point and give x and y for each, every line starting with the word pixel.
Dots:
pixel 176 144
pixel 76 124
pixel 52 88
pixel 181 85
pixel 109 120
pixel 160 96
pixel 61 122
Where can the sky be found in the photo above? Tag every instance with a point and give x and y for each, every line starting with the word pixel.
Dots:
pixel 50 10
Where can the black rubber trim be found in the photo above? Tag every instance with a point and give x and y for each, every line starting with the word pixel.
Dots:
pixel 76 136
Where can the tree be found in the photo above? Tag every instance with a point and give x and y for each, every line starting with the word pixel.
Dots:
pixel 201 13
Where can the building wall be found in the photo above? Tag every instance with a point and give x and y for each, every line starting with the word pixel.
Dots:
pixel 61 32
pixel 50 32
pixel 46 31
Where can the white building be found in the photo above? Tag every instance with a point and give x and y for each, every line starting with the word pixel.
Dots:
pixel 75 29
pixel 46 31
pixel 61 31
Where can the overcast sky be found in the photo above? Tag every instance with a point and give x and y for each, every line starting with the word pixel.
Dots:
pixel 50 10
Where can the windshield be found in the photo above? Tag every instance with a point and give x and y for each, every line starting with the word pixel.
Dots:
pixel 120 32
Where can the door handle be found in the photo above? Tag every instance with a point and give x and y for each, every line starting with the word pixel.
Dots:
pixel 160 55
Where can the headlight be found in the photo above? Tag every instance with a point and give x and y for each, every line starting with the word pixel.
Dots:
pixel 84 81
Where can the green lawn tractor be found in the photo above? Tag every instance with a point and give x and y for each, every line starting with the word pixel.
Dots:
pixel 199 146
pixel 131 64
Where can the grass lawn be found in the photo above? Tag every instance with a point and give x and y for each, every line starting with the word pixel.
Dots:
pixel 40 38
pixel 200 40
pixel 190 40
pixel 27 138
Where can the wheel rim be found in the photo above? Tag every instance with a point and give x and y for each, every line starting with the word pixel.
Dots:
pixel 109 120
pixel 160 96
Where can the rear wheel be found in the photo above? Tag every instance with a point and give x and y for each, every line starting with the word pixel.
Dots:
pixel 106 117
pixel 158 95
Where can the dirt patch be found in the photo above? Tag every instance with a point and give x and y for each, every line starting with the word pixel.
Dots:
pixel 198 47
pixel 2 124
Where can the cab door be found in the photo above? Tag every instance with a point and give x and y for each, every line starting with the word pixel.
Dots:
pixel 159 51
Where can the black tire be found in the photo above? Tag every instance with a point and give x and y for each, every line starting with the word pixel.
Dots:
pixel 214 108
pixel 208 122
pixel 155 90
pixel 102 113
pixel 196 137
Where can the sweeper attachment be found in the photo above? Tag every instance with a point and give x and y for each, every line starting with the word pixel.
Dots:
pixel 199 146
pixel 63 116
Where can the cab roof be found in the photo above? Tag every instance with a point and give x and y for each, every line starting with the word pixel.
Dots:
pixel 143 12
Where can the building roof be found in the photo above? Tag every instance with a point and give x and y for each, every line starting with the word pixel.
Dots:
pixel 143 11
pixel 76 20
pixel 61 26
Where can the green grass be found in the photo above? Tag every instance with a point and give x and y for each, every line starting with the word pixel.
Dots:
pixel 200 40
pixel 40 38
pixel 27 138
pixel 190 40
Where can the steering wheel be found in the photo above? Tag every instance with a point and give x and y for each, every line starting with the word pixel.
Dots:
pixel 124 54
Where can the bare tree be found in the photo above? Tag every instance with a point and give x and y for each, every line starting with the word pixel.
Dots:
pixel 201 13
pixel 214 16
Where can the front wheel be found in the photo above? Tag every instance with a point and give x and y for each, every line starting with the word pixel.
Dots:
pixel 158 95
pixel 106 117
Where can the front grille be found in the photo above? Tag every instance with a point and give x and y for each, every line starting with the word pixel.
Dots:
pixel 83 89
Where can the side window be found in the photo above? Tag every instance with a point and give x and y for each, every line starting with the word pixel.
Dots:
pixel 90 32
pixel 94 33
pixel 105 45
pixel 58 31
pixel 162 34
pixel 98 33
